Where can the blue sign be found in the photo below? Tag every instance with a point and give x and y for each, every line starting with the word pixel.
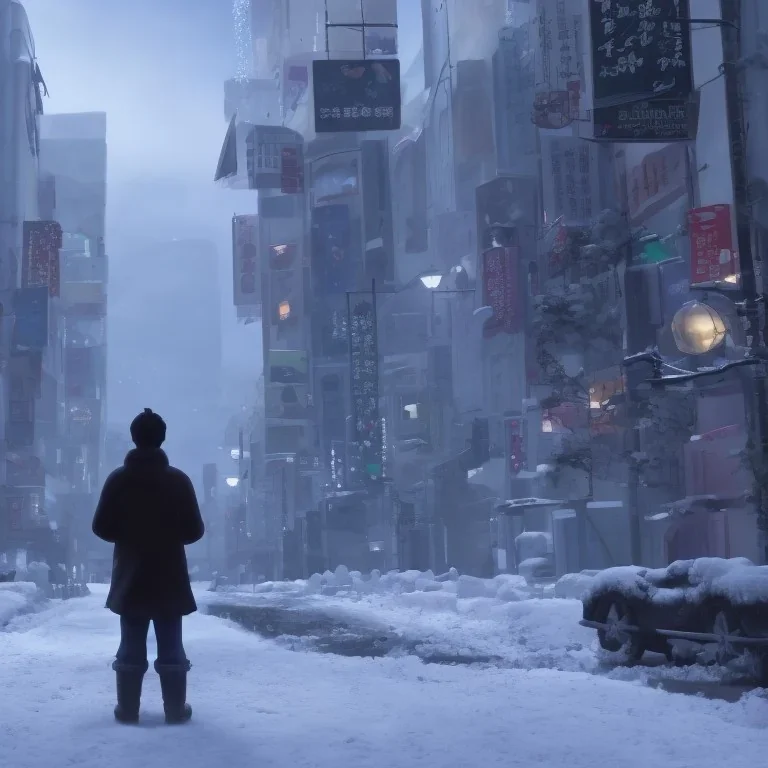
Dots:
pixel 30 329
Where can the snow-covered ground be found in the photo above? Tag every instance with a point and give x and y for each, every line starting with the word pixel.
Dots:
pixel 18 598
pixel 259 704
pixel 499 621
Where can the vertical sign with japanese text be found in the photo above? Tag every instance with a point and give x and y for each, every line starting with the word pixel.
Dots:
pixel 40 260
pixel 560 69
pixel 641 70
pixel 364 378
pixel 712 256
pixel 501 288
pixel 571 179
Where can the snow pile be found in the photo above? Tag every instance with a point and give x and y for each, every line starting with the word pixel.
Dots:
pixel 573 586
pixel 449 586
pixel 735 579
pixel 17 598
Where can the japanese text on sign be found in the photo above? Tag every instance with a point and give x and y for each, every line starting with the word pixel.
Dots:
pixel 640 47
pixel 365 383
pixel 712 257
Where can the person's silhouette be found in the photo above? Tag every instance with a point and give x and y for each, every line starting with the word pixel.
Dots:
pixel 149 510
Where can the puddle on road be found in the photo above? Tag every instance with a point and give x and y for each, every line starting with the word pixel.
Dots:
pixel 308 630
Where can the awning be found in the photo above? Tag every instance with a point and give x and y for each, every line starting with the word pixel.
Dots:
pixel 701 503
pixel 227 165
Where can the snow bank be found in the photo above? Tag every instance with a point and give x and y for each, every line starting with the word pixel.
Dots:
pixel 735 579
pixel 573 586
pixel 17 598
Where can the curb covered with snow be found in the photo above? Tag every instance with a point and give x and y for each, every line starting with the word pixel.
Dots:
pixel 18 598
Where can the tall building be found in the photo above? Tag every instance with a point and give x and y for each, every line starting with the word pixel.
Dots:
pixel 73 159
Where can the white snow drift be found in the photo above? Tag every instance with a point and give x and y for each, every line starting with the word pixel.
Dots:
pixel 258 704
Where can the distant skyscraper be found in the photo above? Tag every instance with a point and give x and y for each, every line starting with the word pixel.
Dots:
pixel 166 341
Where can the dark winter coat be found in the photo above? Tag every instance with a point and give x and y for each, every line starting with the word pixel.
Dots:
pixel 149 510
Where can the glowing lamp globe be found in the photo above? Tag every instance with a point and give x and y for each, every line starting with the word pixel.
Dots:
pixel 697 328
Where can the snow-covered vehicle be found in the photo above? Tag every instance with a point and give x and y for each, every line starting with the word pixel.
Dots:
pixel 710 601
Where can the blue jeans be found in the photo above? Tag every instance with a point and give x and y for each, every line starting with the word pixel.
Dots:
pixel 132 653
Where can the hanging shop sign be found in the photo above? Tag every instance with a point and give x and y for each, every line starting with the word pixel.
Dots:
pixel 711 238
pixel 658 180
pixel 364 375
pixel 274 158
pixel 40 260
pixel 356 95
pixel 641 70
pixel 288 366
pixel 559 65
pixel 295 84
pixel 501 289
pixel 571 178
pixel 246 267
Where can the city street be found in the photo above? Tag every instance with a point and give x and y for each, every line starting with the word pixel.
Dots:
pixel 258 704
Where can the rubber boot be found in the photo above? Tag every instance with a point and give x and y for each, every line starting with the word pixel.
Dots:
pixel 129 681
pixel 173 684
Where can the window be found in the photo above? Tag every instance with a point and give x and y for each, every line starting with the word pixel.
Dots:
pixel 268 156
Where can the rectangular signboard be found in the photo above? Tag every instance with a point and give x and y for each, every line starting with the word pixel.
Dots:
pixel 501 290
pixel 356 95
pixel 40 260
pixel 364 362
pixel 641 70
pixel 711 238
pixel 288 366
pixel 246 267
pixel 274 158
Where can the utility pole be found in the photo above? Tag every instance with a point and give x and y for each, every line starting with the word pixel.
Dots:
pixel 756 394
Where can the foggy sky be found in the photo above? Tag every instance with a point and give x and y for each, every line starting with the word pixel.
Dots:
pixel 157 68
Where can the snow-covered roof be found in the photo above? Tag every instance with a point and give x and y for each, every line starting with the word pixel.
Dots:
pixel 605 504
pixel 529 502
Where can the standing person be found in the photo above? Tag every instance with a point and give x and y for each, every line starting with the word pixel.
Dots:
pixel 149 511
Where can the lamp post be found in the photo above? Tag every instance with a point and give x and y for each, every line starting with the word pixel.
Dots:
pixel 698 328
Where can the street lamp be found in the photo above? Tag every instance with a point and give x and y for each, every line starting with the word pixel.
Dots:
pixel 431 279
pixel 697 328
pixel 233 482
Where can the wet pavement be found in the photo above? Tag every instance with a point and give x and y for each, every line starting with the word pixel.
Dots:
pixel 301 626
pixel 298 624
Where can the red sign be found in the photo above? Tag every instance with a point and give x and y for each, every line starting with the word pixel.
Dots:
pixel 712 256
pixel 500 290
pixel 515 446
pixel 40 260
pixel 291 171
pixel 659 179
